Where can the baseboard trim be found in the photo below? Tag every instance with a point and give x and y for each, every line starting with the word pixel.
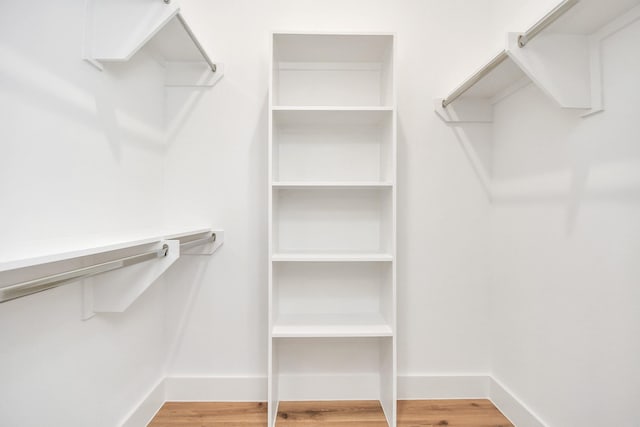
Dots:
pixel 512 407
pixel 148 407
pixel 254 389
pixel 416 387
pixel 216 389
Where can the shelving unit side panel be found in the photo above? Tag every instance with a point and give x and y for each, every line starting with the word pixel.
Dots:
pixel 272 364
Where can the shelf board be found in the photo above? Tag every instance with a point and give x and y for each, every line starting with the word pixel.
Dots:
pixel 497 81
pixel 331 257
pixel 331 325
pixel 559 61
pixel 287 185
pixel 34 253
pixel 588 16
pixel 330 108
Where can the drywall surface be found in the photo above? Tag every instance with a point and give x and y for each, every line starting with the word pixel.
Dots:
pixel 217 171
pixel 566 229
pixel 81 161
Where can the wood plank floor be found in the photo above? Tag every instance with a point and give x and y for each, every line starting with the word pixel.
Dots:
pixel 411 413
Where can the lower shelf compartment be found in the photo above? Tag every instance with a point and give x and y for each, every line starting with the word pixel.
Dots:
pixel 332 368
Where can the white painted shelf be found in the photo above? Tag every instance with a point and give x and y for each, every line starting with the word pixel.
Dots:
pixel 332 208
pixel 110 283
pixel 331 326
pixel 116 30
pixel 331 257
pixel 563 60
pixel 62 250
pixel 332 108
pixel 589 16
pixel 290 185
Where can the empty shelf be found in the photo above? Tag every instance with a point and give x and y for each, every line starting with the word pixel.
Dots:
pixel 331 325
pixel 329 185
pixel 331 257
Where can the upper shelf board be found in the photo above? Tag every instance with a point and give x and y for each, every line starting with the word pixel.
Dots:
pixel 50 252
pixel 118 29
pixel 560 61
pixel 588 16
pixel 332 48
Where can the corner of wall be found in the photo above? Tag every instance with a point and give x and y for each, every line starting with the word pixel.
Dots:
pixel 144 412
pixel 512 407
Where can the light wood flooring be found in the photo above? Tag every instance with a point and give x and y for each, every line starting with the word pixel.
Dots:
pixel 411 413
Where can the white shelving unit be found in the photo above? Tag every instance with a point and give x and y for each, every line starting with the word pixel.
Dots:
pixel 563 61
pixel 332 204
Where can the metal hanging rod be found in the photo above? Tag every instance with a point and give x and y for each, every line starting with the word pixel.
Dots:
pixel 196 42
pixel 30 287
pixel 545 21
pixel 22 289
pixel 189 243
pixel 468 84
pixel 523 39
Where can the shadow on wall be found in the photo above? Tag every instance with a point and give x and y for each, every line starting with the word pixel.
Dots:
pixel 106 100
pixel 114 100
pixel 535 153
pixel 180 302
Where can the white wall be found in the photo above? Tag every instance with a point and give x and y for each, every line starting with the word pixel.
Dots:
pixel 566 229
pixel 217 171
pixel 82 158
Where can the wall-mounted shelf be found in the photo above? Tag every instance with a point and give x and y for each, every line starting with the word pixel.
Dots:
pixel 117 29
pixel 563 60
pixel 114 274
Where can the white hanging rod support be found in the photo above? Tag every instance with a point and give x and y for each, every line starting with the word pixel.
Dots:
pixel 545 21
pixel 469 83
pixel 30 287
pixel 196 42
pixel 523 39
pixel 190 243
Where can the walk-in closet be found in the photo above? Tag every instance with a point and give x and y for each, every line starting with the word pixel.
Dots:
pixel 301 213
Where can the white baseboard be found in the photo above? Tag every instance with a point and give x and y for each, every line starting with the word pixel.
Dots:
pixel 512 407
pixel 216 389
pixel 254 389
pixel 147 409
pixel 329 387
pixel 415 387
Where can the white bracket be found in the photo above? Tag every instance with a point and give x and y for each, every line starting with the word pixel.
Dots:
pixel 558 64
pixel 115 291
pixel 563 66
